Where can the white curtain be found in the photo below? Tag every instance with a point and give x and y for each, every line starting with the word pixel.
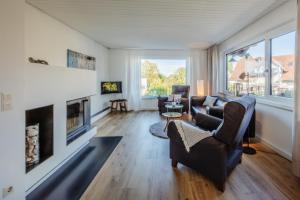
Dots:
pixel 296 138
pixel 213 70
pixel 197 69
pixel 132 81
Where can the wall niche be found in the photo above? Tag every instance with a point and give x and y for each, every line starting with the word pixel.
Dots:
pixel 38 136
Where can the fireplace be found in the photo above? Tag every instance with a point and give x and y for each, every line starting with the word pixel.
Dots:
pixel 78 118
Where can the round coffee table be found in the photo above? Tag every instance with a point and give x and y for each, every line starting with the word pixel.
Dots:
pixel 176 107
pixel 170 116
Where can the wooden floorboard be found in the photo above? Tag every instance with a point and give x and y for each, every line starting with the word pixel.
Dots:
pixel 140 168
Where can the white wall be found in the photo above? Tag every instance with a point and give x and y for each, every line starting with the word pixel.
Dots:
pixel 49 39
pixel 26 32
pixel 41 90
pixel 274 124
pixel 12 123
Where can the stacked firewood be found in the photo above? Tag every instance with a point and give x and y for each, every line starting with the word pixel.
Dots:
pixel 32 145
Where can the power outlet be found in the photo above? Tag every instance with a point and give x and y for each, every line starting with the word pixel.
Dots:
pixel 6 191
pixel 6 102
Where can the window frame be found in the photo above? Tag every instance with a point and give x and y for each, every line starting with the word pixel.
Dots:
pixel 270 75
pixel 226 67
pixel 284 102
pixel 148 97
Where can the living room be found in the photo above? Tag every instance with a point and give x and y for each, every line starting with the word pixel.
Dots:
pixel 149 99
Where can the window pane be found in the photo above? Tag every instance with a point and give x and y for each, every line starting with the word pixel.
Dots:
pixel 246 70
pixel 283 65
pixel 158 76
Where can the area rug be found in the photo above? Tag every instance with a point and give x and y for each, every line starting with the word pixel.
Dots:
pixel 157 130
pixel 73 178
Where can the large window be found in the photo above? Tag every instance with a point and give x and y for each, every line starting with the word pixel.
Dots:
pixel 283 65
pixel 246 70
pixel 250 72
pixel 158 76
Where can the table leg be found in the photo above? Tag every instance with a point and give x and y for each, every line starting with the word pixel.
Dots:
pixel 168 120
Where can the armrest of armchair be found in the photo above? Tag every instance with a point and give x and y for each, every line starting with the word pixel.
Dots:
pixel 184 100
pixel 186 104
pixel 216 111
pixel 207 122
pixel 197 100
pixel 209 142
pixel 162 100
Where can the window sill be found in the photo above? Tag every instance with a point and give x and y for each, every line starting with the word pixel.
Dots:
pixel 276 102
pixel 271 101
pixel 148 98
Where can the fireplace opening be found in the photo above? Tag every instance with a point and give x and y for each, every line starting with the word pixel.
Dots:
pixel 78 118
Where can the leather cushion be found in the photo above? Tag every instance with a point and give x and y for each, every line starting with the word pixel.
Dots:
pixel 199 109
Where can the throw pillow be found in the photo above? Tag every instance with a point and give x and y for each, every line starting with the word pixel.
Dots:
pixel 209 101
pixel 177 97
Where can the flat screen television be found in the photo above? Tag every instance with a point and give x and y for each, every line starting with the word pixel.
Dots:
pixel 110 87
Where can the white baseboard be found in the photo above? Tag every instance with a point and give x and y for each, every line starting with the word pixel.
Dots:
pixel 278 150
pixel 99 116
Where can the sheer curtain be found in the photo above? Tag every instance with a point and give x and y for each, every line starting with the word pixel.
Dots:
pixel 296 139
pixel 213 70
pixel 197 69
pixel 132 81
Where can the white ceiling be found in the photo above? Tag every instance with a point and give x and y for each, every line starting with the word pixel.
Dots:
pixel 157 24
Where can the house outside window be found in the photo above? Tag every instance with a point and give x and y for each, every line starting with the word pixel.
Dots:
pixel 265 68
pixel 246 70
pixel 158 76
pixel 283 65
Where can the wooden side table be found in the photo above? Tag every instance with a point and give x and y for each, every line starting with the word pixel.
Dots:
pixel 122 103
pixel 113 105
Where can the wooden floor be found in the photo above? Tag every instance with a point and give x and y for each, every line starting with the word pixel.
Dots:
pixel 140 168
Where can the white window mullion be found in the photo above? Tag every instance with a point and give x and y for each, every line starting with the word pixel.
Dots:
pixel 268 66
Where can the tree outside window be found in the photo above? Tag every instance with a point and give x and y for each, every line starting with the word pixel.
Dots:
pixel 158 76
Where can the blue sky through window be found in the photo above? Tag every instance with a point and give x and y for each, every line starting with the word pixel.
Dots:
pixel 167 66
pixel 284 45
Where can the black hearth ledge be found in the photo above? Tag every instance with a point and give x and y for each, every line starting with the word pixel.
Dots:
pixel 71 180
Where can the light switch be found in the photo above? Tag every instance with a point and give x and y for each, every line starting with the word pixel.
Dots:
pixel 6 102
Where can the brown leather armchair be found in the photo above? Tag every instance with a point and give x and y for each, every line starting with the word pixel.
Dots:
pixel 184 90
pixel 216 156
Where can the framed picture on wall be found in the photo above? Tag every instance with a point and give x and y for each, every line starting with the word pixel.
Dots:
pixel 80 61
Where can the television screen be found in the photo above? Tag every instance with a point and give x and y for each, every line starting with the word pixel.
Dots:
pixel 111 87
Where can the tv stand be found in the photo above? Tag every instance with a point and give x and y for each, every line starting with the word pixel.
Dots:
pixel 122 104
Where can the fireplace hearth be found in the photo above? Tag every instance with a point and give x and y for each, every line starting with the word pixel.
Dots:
pixel 78 118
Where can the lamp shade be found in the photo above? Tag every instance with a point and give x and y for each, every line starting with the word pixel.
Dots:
pixel 200 87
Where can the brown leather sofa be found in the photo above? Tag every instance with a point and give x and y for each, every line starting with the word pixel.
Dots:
pixel 214 114
pixel 184 91
pixel 216 110
pixel 216 156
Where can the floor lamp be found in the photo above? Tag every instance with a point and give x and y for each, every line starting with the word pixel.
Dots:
pixel 247 150
pixel 200 87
